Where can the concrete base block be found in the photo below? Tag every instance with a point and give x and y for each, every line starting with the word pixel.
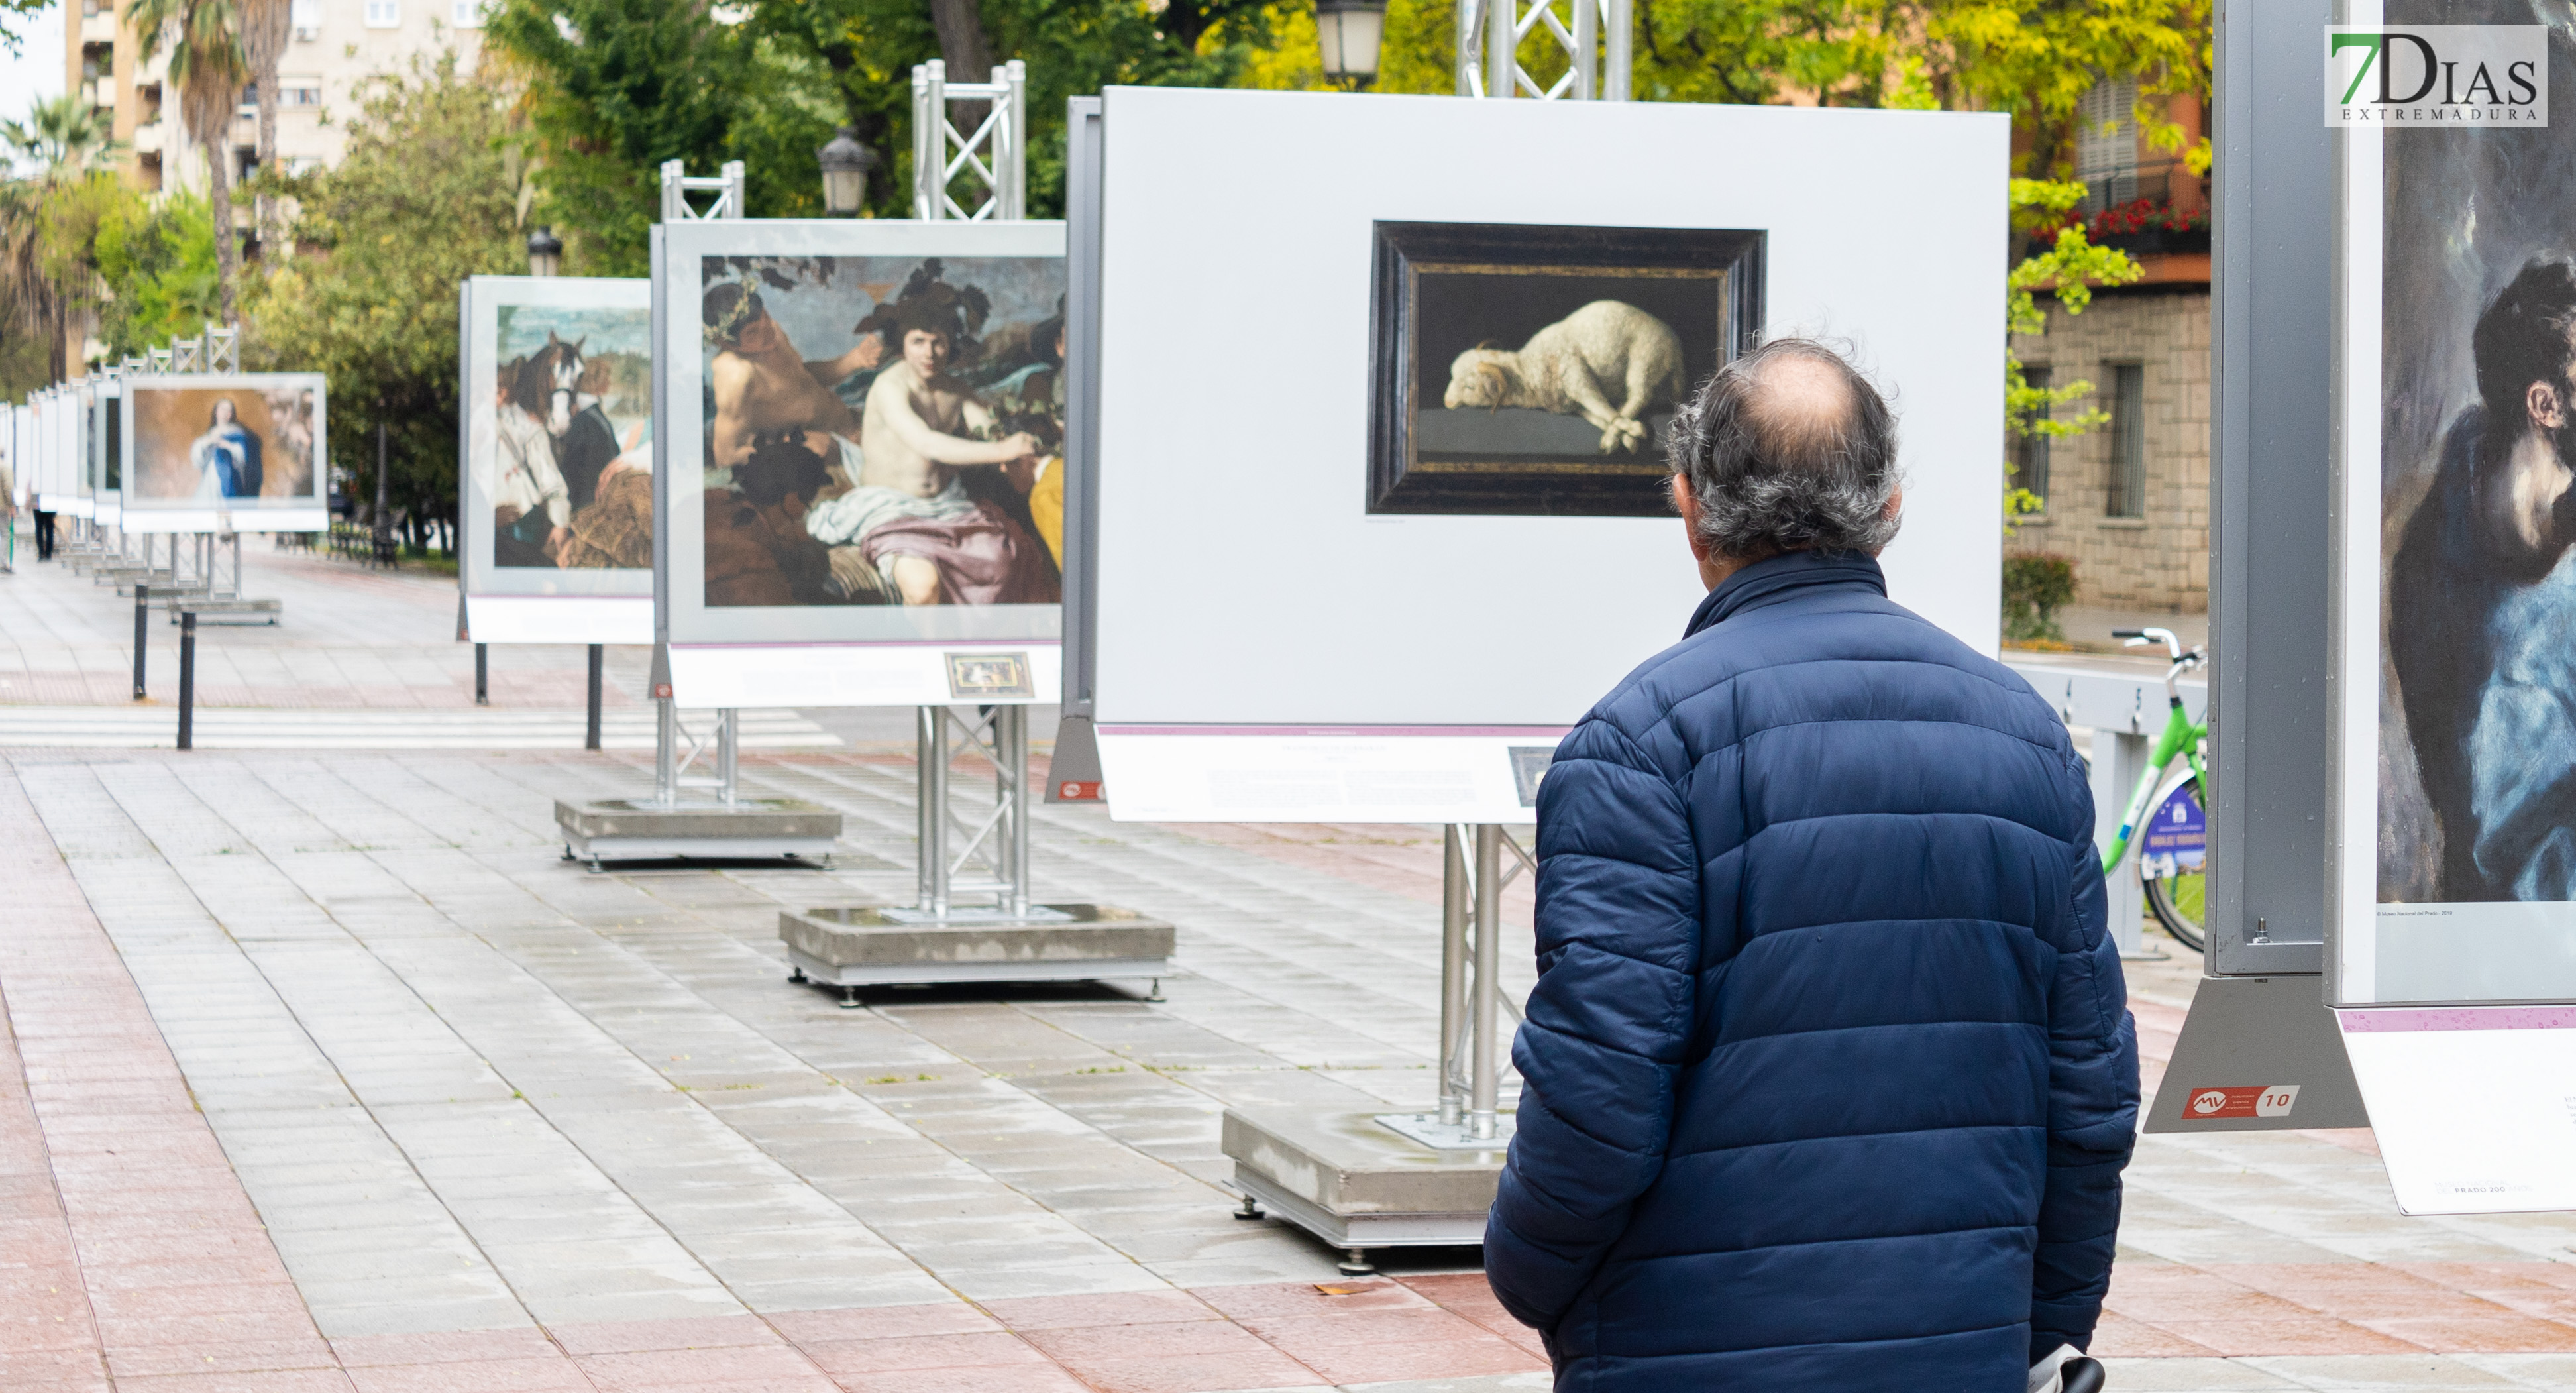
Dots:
pixel 1355 1184
pixel 872 946
pixel 635 829
pixel 222 611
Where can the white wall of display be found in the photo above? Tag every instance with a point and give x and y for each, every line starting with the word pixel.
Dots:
pixel 1267 646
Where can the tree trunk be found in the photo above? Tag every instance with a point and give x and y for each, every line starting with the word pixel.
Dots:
pixel 962 44
pixel 219 194
pixel 266 214
pixel 968 54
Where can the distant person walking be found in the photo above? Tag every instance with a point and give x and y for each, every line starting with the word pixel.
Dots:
pixel 44 534
pixel 1829 1076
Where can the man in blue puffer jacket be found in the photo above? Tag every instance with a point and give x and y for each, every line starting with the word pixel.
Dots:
pixel 1829 1077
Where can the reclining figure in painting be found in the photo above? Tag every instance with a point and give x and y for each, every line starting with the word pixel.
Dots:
pixel 1566 366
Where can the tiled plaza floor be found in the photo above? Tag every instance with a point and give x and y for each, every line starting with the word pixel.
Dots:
pixel 322 1070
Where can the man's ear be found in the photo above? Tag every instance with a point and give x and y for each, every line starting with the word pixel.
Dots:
pixel 2542 401
pixel 1687 504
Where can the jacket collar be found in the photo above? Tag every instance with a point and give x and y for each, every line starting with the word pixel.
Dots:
pixel 1770 581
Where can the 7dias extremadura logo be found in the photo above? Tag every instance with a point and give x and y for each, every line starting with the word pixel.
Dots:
pixel 2438 74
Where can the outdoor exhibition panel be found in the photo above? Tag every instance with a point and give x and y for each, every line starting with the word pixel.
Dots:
pixel 224 452
pixel 555 508
pixel 1385 597
pixel 106 395
pixel 71 447
pixel 2451 883
pixel 859 454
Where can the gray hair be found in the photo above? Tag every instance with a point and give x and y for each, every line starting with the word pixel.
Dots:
pixel 1789 448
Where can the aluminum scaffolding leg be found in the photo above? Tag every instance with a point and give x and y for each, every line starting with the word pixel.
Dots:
pixel 930 760
pixel 1489 959
pixel 666 753
pixel 728 752
pixel 1453 970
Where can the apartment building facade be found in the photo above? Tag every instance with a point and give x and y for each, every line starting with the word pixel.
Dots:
pixel 2128 503
pixel 337 46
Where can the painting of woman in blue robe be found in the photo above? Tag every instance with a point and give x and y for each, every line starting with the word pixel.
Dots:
pixel 226 456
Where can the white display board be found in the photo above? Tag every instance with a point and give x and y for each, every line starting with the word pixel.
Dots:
pixel 800 563
pixel 1268 647
pixel 556 384
pixel 72 440
pixel 225 452
pixel 105 435
pixel 2474 1107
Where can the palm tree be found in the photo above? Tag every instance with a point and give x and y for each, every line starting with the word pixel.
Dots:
pixel 265 28
pixel 62 141
pixel 204 41
pixel 62 136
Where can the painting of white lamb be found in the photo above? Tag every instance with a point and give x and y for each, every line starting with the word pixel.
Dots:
pixel 1522 368
pixel 1603 353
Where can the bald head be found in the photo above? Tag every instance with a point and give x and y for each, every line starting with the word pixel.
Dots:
pixel 1788 448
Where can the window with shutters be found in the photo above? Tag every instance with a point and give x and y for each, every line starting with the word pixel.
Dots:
pixel 2030 461
pixel 2128 441
pixel 384 14
pixel 2106 143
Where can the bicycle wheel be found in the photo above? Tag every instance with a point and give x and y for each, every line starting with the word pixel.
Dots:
pixel 2173 861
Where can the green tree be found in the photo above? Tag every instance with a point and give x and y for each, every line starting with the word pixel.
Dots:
pixel 61 136
pixel 615 87
pixel 426 195
pixel 158 263
pixel 63 148
pixel 207 66
pixel 2068 270
pixel 612 88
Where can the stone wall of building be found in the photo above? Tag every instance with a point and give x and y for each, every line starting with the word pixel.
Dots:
pixel 2160 561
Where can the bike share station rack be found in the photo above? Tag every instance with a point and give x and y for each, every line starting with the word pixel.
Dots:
pixel 1403 685
pixel 975 919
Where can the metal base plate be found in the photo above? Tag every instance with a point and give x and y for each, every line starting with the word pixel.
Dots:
pixel 2253 1033
pixel 935 973
pixel 1428 1129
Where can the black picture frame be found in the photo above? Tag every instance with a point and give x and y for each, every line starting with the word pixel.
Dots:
pixel 1709 277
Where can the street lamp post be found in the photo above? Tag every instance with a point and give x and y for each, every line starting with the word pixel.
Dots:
pixel 545 259
pixel 545 252
pixel 846 165
pixel 1350 32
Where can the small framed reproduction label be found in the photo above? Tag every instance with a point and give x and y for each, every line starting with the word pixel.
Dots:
pixel 1529 766
pixel 989 676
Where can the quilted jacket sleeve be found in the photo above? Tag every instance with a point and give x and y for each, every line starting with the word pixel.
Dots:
pixel 1618 912
pixel 2092 1112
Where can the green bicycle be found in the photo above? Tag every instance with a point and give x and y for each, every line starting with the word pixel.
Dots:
pixel 2168 814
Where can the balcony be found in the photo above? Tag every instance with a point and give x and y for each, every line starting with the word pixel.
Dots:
pixel 99 28
pixel 148 139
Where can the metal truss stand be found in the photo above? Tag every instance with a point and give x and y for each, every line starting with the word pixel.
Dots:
pixel 704 817
pixel 211 599
pixel 1398 1180
pixel 976 920
pixel 995 153
pixel 1390 1180
pixel 1490 34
